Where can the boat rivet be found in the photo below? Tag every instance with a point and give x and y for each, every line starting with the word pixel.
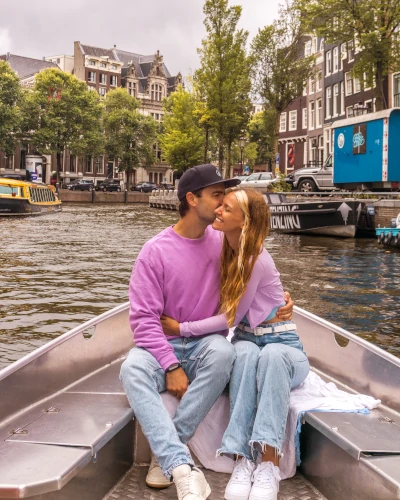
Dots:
pixel 109 424
pixel 335 428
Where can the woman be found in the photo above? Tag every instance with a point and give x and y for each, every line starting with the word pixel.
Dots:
pixel 270 358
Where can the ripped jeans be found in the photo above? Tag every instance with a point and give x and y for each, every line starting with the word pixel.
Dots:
pixel 267 367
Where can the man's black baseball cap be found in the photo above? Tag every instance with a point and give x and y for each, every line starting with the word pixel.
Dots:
pixel 202 176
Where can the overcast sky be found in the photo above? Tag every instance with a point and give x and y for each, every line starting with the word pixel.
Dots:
pixel 37 28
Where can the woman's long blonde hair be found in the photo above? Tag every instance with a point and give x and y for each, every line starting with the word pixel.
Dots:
pixel 236 267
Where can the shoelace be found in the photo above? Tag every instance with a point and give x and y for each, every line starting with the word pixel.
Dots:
pixel 242 470
pixel 264 473
pixel 184 485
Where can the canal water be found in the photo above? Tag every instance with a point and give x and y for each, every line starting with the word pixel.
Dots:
pixel 59 270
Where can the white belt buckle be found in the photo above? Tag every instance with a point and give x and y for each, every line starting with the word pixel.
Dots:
pixel 258 330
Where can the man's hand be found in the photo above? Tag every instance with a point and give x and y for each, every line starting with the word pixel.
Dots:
pixel 285 313
pixel 170 326
pixel 177 382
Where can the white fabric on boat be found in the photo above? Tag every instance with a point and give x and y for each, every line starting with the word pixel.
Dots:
pixel 313 394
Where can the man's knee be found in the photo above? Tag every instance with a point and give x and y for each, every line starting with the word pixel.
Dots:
pixel 137 365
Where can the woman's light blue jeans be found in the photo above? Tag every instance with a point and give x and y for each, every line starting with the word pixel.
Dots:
pixel 267 367
pixel 207 362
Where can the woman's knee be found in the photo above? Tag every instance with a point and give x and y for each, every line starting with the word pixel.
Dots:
pixel 221 352
pixel 246 352
pixel 275 355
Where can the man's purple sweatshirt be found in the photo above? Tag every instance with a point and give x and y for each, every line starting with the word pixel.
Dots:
pixel 176 276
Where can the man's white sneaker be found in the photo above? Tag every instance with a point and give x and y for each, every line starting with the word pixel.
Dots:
pixel 155 477
pixel 239 485
pixel 265 482
pixel 190 483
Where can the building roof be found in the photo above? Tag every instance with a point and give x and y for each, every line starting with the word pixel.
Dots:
pixel 98 52
pixel 26 66
pixel 142 63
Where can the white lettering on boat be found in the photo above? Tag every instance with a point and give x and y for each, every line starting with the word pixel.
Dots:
pixel 287 221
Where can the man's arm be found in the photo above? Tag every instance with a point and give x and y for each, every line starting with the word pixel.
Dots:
pixel 146 306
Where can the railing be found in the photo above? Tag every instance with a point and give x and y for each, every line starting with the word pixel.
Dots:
pixel 396 100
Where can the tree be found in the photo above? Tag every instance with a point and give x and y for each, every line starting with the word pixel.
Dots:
pixel 223 79
pixel 370 26
pixel 261 132
pixel 280 68
pixel 62 114
pixel 10 100
pixel 182 139
pixel 130 136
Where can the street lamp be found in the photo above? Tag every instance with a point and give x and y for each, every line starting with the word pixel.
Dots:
pixel 360 109
pixel 242 145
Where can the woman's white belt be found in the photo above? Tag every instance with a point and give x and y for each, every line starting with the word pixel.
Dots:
pixel 265 330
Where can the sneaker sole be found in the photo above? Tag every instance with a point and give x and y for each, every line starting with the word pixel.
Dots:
pixel 158 486
pixel 232 496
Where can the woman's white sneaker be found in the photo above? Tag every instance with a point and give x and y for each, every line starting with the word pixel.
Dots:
pixel 190 483
pixel 265 482
pixel 239 485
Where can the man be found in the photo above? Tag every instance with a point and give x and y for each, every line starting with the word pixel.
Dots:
pixel 177 273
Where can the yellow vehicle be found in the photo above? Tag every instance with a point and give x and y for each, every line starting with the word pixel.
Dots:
pixel 26 198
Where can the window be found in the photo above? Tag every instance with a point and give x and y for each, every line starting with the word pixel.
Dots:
pixel 314 45
pixel 312 116
pixel 328 144
pixel 349 84
pixel 335 60
pixel 99 165
pixel 112 66
pixel 10 191
pixel 103 79
pixel 357 85
pixel 282 124
pixel 312 85
pixel 319 113
pixel 349 111
pixel 319 81
pixel 321 148
pixel 304 124
pixel 292 120
pixel 350 49
pixel 328 101
pixel 368 104
pixel 335 99
pixel 91 77
pixel 103 65
pixel 92 63
pixel 89 166
pixel 72 163
pixel 343 54
pixel 156 92
pixel 342 110
pixel 328 62
pixel 102 91
pixel 131 86
pixel 307 49
pixel 113 80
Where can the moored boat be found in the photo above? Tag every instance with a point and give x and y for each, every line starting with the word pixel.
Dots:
pixel 19 198
pixel 67 431
pixel 389 236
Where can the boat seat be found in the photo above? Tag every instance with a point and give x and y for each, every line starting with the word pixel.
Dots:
pixel 56 439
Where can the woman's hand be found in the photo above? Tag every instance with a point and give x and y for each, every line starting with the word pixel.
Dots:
pixel 285 313
pixel 170 326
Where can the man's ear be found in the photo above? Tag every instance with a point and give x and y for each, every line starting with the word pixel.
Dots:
pixel 191 199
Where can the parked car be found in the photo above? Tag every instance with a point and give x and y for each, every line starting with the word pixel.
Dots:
pixel 144 187
pixel 312 179
pixel 80 185
pixel 16 177
pixel 241 177
pixel 258 180
pixel 109 185
pixel 167 186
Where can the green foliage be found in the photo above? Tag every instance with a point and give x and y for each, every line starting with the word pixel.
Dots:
pixel 182 138
pixel 279 66
pixel 10 101
pixel 223 80
pixel 261 133
pixel 61 113
pixel 370 25
pixel 280 186
pixel 129 135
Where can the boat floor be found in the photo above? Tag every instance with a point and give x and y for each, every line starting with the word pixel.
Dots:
pixel 133 487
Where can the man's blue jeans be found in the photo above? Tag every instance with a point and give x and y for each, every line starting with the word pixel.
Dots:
pixel 267 367
pixel 207 363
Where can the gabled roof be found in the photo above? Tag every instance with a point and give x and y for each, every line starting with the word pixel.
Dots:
pixel 142 63
pixel 26 66
pixel 98 52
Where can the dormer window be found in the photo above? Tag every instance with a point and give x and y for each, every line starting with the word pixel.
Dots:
pixel 131 88
pixel 156 92
pixel 103 65
pixel 92 63
pixel 112 66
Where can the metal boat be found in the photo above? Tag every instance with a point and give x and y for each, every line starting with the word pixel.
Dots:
pixel 67 431
pixel 19 198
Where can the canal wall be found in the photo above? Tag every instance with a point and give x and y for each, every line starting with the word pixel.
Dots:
pixel 67 196
pixel 385 211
